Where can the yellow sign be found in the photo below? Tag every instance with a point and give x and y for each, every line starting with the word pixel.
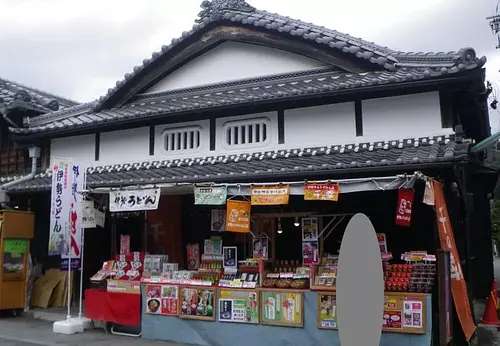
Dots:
pixel 270 195
pixel 238 216
pixel 321 192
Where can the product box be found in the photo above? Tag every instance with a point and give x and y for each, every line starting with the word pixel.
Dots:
pixel 134 275
pixel 122 265
pixel 121 275
pixel 137 266
pixel 135 256
pixel 121 286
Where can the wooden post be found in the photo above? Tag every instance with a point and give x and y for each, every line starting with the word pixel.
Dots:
pixel 444 298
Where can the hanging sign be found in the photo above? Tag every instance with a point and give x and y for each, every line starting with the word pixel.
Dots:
pixel 238 216
pixel 458 285
pixel 404 207
pixel 322 192
pixel 88 214
pixel 210 195
pixel 428 194
pixel 59 213
pixel 134 200
pixel 73 241
pixel 270 195
pixel 218 221
pixel 100 218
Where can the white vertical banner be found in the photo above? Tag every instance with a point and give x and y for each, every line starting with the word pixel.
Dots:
pixel 59 213
pixel 74 241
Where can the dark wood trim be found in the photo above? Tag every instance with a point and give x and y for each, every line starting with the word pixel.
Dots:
pixel 151 140
pixel 358 114
pixel 281 126
pixel 213 134
pixel 97 146
pixel 446 107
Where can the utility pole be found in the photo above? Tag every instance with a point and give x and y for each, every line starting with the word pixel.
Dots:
pixel 495 24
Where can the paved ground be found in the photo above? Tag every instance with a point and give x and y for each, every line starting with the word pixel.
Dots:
pixel 31 332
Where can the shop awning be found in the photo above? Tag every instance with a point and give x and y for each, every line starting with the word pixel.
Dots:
pixel 283 165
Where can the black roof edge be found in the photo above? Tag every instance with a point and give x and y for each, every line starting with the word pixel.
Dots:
pixel 131 123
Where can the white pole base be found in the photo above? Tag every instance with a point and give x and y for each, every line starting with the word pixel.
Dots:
pixel 84 321
pixel 68 326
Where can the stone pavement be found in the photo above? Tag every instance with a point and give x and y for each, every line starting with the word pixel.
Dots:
pixel 30 332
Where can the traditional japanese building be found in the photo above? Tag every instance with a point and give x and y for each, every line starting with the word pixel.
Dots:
pixel 249 96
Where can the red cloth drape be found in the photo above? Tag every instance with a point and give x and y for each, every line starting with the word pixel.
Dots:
pixel 119 308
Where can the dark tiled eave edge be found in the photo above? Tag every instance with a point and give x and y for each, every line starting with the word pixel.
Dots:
pixel 416 152
pixel 15 95
pixel 304 86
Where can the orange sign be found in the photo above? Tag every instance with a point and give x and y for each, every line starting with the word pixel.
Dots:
pixel 458 285
pixel 238 216
pixel 322 192
pixel 270 195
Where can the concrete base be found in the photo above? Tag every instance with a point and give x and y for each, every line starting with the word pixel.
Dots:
pixel 68 326
pixel 84 321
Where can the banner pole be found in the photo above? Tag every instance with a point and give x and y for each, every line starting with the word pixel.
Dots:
pixel 82 248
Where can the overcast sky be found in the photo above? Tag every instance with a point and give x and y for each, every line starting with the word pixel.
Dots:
pixel 79 48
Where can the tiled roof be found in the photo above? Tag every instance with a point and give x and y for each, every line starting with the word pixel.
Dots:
pixel 306 161
pixel 240 93
pixel 392 67
pixel 15 95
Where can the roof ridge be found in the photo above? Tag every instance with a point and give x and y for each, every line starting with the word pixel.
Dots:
pixel 39 91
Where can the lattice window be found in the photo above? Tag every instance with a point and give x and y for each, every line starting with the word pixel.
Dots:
pixel 182 139
pixel 246 132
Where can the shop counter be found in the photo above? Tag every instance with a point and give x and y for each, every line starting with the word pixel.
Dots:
pixel 209 316
pixel 123 309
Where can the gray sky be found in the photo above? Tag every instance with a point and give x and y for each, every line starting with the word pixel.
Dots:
pixel 79 48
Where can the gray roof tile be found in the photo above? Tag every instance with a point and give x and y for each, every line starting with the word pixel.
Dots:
pixel 327 159
pixel 15 95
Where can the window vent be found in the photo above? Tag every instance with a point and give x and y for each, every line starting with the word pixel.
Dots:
pixel 246 132
pixel 182 139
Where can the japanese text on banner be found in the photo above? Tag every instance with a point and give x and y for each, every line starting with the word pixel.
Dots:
pixel 458 285
pixel 271 195
pixel 210 195
pixel 59 213
pixel 238 216
pixel 74 238
pixel 134 200
pixel 404 207
pixel 322 192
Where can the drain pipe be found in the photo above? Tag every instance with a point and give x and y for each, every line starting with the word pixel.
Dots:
pixel 34 154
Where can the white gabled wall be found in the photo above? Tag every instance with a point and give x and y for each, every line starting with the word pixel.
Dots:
pixel 320 125
pixel 389 118
pixel 80 149
pixel 402 117
pixel 232 61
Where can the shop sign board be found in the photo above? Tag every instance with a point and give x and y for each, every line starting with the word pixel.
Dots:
pixel 238 306
pixel 282 308
pixel 270 195
pixel 88 214
pixel 327 311
pixel 162 300
pixel 404 207
pixel 59 213
pixel 210 195
pixel 15 246
pixel 72 243
pixel 134 200
pixel 321 192
pixel 458 285
pixel 197 303
pixel 238 216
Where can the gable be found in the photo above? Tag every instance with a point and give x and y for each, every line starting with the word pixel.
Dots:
pixel 231 61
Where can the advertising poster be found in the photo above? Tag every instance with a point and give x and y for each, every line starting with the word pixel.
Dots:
pixel 327 311
pixel 404 207
pixel 153 299
pixel 309 229
pixel 169 300
pixel 310 253
pixel 197 303
pixel 283 309
pixel 210 195
pixel 238 216
pixel 392 320
pixel 412 313
pixel 270 195
pixel 260 248
pixel 59 213
pixel 218 220
pixel 238 306
pixel 230 254
pixel 322 192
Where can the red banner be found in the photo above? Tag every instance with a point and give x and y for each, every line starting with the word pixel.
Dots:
pixel 458 285
pixel 404 207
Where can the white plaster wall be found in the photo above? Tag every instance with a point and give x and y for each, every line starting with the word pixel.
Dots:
pixel 221 147
pixel 402 117
pixel 124 146
pixel 320 125
pixel 80 149
pixel 231 61
pixel 202 151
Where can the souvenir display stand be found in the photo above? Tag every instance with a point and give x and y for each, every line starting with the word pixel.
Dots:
pixel 17 229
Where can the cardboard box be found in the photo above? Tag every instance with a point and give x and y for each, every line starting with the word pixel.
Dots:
pixel 123 286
